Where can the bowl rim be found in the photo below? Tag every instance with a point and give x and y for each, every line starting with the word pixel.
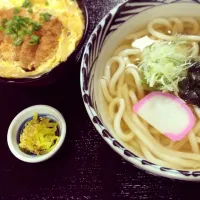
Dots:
pixel 41 158
pixel 18 81
pixel 138 162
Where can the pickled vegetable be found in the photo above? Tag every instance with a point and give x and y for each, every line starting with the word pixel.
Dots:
pixel 39 136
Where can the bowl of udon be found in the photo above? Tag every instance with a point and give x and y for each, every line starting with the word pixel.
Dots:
pixel 140 83
pixel 40 40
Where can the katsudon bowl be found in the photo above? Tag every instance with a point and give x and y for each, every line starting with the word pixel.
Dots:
pixel 72 16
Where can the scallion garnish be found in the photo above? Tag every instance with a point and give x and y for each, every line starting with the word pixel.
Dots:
pixel 46 16
pixel 17 10
pixel 18 41
pixel 27 4
pixel 30 10
pixel 34 40
pixel 17 27
pixel 35 26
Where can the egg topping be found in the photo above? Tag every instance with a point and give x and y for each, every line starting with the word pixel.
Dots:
pixel 37 35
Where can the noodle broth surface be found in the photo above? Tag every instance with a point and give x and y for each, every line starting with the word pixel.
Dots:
pixel 122 87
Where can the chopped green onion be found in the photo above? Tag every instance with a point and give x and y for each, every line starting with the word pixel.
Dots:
pixel 17 27
pixel 18 41
pixel 27 4
pixel 14 36
pixel 164 65
pixel 34 40
pixel 9 31
pixel 27 32
pixel 21 34
pixel 4 20
pixel 9 23
pixel 1 28
pixel 35 26
pixel 30 10
pixel 17 10
pixel 46 16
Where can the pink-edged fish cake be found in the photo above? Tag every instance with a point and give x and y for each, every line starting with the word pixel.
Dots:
pixel 167 113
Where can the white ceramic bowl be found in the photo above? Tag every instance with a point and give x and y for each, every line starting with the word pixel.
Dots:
pixel 18 123
pixel 118 23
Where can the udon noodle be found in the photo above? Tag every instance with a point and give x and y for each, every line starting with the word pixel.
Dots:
pixel 122 89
